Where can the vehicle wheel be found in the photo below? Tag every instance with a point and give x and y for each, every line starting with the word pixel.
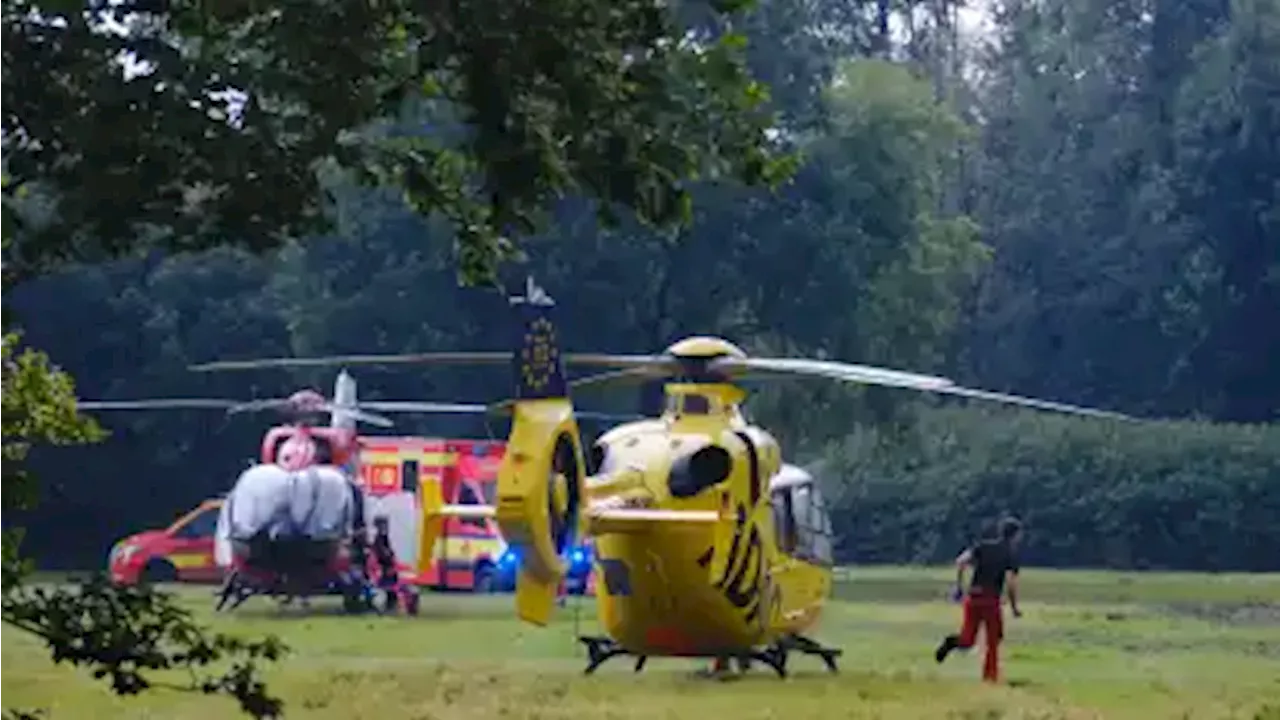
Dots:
pixel 158 570
pixel 485 580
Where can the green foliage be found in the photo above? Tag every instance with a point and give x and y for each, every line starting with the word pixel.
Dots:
pixel 879 272
pixel 484 111
pixel 39 407
pixel 127 635
pixel 1127 182
pixel 1093 493
pixel 122 634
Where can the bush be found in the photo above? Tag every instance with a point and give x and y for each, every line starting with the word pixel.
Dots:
pixel 1093 493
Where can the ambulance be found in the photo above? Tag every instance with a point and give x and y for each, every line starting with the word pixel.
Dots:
pixel 391 470
pixel 467 554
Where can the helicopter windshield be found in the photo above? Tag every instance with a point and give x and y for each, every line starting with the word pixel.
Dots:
pixel 324 450
pixel 322 447
pixel 803 525
pixel 696 405
pixel 688 404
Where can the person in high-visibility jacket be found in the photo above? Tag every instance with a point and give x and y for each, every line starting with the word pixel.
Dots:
pixel 995 566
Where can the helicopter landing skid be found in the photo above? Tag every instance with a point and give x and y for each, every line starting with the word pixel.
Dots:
pixel 600 649
pixel 775 655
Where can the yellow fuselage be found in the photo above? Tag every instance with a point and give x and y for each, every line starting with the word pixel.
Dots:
pixel 658 591
pixel 672 606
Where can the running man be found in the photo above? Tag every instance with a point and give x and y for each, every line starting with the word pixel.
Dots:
pixel 994 562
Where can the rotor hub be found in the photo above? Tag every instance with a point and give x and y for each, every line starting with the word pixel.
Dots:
pixel 306 401
pixel 704 347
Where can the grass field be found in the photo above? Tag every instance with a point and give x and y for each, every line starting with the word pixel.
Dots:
pixel 1090 644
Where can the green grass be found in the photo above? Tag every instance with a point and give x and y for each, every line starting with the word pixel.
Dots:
pixel 1091 644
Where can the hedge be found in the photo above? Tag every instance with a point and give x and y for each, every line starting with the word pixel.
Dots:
pixel 1092 493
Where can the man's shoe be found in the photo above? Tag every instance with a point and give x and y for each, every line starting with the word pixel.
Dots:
pixel 948 644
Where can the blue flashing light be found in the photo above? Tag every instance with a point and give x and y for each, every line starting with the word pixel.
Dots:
pixel 578 556
pixel 508 558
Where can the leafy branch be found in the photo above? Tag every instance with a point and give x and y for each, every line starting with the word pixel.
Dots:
pixel 126 635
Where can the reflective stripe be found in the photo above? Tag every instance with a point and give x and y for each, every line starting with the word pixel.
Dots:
pixel 190 560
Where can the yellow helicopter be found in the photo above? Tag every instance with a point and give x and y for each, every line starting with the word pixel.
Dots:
pixel 706 543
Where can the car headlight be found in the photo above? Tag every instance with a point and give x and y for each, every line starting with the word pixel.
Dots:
pixel 122 553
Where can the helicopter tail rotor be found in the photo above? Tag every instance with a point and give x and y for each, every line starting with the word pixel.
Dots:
pixel 344 413
pixel 540 480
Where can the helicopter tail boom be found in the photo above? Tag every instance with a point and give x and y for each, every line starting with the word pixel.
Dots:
pixel 434 513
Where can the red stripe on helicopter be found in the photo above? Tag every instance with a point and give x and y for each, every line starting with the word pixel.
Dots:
pixel 669 640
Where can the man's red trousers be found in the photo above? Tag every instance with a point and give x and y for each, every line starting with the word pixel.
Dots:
pixel 983 610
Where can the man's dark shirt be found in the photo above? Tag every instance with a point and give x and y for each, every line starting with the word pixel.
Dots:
pixel 386 559
pixel 383 553
pixel 991 560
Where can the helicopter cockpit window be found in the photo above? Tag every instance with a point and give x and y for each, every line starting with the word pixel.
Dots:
pixel 813 525
pixel 784 521
pixel 324 450
pixel 697 405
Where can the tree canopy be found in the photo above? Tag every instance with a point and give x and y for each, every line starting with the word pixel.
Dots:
pixel 193 124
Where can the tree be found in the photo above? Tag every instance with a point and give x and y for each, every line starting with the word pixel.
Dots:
pixel 199 124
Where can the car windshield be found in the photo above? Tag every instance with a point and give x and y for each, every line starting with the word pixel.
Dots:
pixel 204 524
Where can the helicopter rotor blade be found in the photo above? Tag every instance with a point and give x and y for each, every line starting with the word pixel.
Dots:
pixel 257 405
pixel 412 406
pixel 1033 402
pixel 468 408
pixel 435 358
pixel 638 373
pixel 868 375
pixel 847 372
pixel 158 404
pixel 652 363
pixel 359 415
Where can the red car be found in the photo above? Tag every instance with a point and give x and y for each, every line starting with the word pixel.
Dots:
pixel 183 551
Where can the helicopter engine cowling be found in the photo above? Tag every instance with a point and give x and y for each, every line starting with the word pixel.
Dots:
pixel 691 474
